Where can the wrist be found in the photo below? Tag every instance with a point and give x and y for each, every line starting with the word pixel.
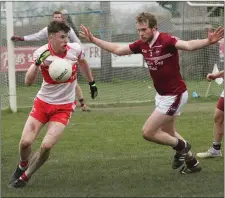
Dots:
pixel 208 42
pixel 93 40
pixel 36 64
pixel 92 82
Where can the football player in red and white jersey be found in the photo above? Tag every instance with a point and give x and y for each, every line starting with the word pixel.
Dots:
pixel 160 51
pixel 43 35
pixel 215 150
pixel 54 103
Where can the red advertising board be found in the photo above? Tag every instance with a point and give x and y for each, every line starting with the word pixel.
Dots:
pixel 23 58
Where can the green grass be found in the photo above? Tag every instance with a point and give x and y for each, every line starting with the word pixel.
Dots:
pixel 116 93
pixel 102 154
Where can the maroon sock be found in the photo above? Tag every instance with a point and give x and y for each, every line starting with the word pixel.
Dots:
pixel 180 145
pixel 81 102
pixel 190 163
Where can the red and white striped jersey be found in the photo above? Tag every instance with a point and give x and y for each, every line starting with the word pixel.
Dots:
pixel 54 92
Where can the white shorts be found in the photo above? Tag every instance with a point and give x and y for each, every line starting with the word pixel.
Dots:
pixel 222 94
pixel 171 105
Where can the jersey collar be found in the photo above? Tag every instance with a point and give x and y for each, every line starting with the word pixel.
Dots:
pixel 154 39
pixel 53 52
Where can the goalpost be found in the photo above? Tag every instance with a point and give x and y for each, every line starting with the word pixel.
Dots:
pixel 202 4
pixel 120 80
pixel 11 59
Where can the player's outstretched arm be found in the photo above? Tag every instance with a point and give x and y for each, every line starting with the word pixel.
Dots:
pixel 215 76
pixel 41 35
pixel 108 46
pixel 213 37
pixel 17 38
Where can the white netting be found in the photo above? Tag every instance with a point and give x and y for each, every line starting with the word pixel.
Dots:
pixel 197 64
pixel 119 79
pixel 3 74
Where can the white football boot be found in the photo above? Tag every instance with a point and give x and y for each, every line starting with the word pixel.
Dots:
pixel 210 153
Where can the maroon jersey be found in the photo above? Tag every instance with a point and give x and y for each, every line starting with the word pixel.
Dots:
pixel 162 59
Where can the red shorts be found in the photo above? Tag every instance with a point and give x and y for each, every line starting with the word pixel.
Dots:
pixel 220 104
pixel 45 112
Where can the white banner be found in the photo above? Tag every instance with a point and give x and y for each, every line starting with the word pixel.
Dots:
pixel 133 60
pixel 93 56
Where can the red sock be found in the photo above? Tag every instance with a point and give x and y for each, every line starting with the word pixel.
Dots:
pixel 23 163
pixel 81 102
pixel 24 177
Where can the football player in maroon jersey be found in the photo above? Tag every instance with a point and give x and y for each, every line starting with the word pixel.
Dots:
pixel 160 51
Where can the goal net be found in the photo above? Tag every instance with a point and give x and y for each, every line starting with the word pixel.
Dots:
pixel 4 96
pixel 197 18
pixel 122 79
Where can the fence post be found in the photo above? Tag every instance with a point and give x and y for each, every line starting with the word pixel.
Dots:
pixel 106 34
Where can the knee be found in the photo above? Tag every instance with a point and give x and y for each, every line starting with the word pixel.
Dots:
pixel 25 143
pixel 218 119
pixel 146 134
pixel 46 147
pixel 45 151
pixel 221 132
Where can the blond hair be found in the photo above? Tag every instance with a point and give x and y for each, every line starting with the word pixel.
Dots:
pixel 146 17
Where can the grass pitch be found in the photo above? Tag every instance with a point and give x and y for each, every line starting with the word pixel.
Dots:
pixel 102 154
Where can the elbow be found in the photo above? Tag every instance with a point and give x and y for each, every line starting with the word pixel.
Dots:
pixel 27 82
pixel 190 48
pixel 118 53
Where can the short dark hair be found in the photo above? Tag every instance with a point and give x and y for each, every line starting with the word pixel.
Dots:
pixel 56 26
pixel 146 17
pixel 57 12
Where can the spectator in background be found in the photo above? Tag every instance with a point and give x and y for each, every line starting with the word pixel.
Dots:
pixel 66 17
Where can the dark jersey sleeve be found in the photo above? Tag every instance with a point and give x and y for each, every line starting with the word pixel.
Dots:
pixel 136 47
pixel 171 40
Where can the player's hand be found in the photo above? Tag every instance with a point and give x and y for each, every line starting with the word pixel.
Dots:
pixel 210 77
pixel 214 37
pixel 17 38
pixel 94 89
pixel 42 57
pixel 86 33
